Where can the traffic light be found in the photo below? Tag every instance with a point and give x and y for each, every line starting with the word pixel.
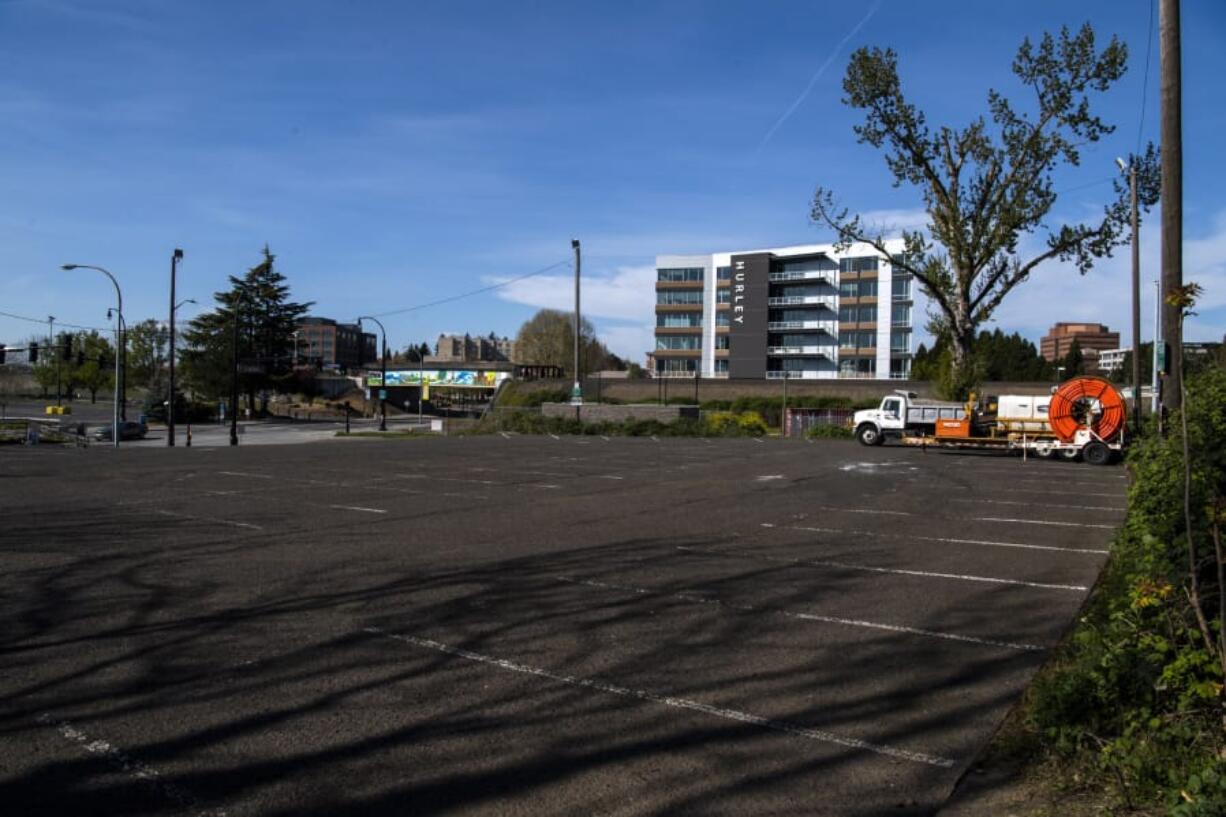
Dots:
pixel 33 351
pixel 66 349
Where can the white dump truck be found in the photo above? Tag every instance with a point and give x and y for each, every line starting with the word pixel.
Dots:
pixel 901 414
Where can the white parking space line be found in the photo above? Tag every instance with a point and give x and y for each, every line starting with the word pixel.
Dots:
pixel 357 508
pixel 1042 522
pixel 1044 505
pixel 596 685
pixel 207 519
pixel 734 554
pixel 849 622
pixel 245 474
pixel 125 763
pixel 947 540
pixel 1111 495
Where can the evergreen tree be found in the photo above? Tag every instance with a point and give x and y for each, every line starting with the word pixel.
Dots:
pixel 1074 361
pixel 266 321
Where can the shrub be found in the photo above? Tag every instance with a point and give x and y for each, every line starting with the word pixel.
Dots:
pixel 1137 693
pixel 829 432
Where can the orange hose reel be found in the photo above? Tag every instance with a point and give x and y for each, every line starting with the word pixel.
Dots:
pixel 1086 401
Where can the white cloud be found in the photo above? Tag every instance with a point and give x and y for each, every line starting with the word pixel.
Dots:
pixel 628 294
pixel 628 341
pixel 1057 292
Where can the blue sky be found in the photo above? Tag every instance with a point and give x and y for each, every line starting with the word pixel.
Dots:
pixel 393 154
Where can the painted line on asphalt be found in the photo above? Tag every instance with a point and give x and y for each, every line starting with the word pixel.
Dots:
pixel 207 519
pixel 849 622
pixel 947 540
pixel 1042 522
pixel 1045 504
pixel 608 476
pixel 357 508
pixel 245 474
pixel 734 554
pixel 1112 494
pixel 129 765
pixel 596 685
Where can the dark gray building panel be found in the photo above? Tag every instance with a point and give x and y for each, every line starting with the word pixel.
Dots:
pixel 749 315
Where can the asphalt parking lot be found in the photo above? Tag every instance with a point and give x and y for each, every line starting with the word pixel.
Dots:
pixel 525 625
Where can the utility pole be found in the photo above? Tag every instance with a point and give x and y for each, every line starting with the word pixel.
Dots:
pixel 1172 195
pixel 383 371
pixel 234 378
pixel 51 348
pixel 576 392
pixel 175 258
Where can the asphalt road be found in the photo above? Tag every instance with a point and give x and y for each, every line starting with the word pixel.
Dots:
pixel 525 625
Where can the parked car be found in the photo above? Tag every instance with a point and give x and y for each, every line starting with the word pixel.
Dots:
pixel 128 430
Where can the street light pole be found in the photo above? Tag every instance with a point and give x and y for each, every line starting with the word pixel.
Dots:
pixel 1131 169
pixel 234 377
pixel 118 343
pixel 383 372
pixel 175 258
pixel 576 392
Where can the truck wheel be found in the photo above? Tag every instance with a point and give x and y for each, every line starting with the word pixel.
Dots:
pixel 1096 453
pixel 868 435
pixel 1069 454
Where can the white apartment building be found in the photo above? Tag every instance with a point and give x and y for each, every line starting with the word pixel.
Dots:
pixel 804 312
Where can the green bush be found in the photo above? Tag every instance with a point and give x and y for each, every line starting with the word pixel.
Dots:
pixel 723 424
pixel 1136 695
pixel 829 432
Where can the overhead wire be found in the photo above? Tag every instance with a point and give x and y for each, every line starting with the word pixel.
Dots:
pixel 480 291
pixel 57 323
pixel 1149 45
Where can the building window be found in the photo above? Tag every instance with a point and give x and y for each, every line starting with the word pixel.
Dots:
pixel 868 314
pixel 901 287
pixel 800 264
pixel 867 339
pixel 847 314
pixel 723 295
pixel 721 366
pixel 900 340
pixel 900 368
pixel 676 275
pixel 721 341
pixel 676 365
pixel 900 315
pixel 723 273
pixel 867 263
pixel 678 342
pixel 679 320
pixel 868 289
pixel 847 340
pixel 721 319
pixel 679 296
pixel 849 289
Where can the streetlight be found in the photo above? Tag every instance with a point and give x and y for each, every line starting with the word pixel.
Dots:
pixel 1130 169
pixel 118 342
pixel 383 375
pixel 238 300
pixel 175 258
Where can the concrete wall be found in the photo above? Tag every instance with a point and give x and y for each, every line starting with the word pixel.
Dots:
pixel 601 413
pixel 628 391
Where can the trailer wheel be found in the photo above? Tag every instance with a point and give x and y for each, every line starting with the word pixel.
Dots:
pixel 1096 453
pixel 1069 454
pixel 868 434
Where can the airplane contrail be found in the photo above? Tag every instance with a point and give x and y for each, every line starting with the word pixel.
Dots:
pixel 813 81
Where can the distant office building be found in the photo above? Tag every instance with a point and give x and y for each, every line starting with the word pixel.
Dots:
pixel 805 312
pixel 1111 359
pixel 335 345
pixel 1092 339
pixel 469 349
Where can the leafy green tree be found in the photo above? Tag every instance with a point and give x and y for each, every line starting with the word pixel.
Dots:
pixel 985 187
pixel 548 337
pixel 93 369
pixel 148 343
pixel 266 319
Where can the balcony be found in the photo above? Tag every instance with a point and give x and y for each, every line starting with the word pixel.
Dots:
pixel 831 301
pixel 811 351
pixel 821 275
pixel 829 327
pixel 801 374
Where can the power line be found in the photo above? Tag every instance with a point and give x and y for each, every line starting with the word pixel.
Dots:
pixel 480 291
pixel 59 323
pixel 1149 44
